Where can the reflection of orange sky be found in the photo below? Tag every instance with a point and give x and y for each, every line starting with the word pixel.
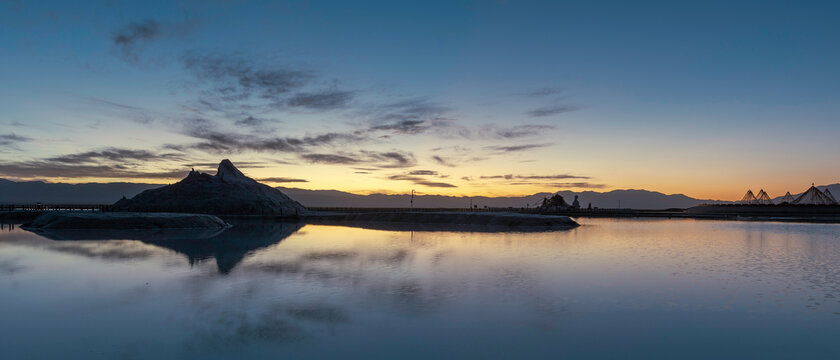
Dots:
pixel 599 245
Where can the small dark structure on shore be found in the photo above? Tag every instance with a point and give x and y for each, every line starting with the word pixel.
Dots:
pixel 813 204
pixel 554 203
pixel 812 196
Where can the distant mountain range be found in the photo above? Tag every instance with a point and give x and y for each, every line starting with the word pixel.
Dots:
pixel 30 192
pixel 108 193
pixel 637 199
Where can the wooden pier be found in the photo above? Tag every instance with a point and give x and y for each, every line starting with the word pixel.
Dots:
pixel 54 207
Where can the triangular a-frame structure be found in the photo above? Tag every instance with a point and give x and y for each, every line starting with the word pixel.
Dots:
pixel 749 198
pixel 787 199
pixel 830 197
pixel 763 198
pixel 813 196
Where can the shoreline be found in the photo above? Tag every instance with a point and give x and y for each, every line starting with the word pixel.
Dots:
pixel 428 221
pixel 445 221
pixel 341 216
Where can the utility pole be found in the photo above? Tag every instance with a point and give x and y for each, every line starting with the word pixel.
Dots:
pixel 411 208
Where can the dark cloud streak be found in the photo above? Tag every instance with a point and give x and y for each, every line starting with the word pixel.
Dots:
pixel 114 155
pixel 423 172
pixel 390 159
pixel 130 39
pixel 46 169
pixel 283 180
pixel 515 148
pixel 544 92
pixel 582 185
pixel 421 181
pixel 326 100
pixel 551 110
pixel 11 140
pixel 244 84
pixel 440 160
pixel 535 177
pixel 518 131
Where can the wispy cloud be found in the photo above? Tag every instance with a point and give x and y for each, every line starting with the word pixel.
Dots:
pixel 102 163
pixel 217 141
pixel 332 159
pixel 441 161
pixel 564 185
pixel 120 110
pixel 282 180
pixel 552 110
pixel 114 155
pixel 539 180
pixel 547 91
pixel 515 132
pixel 534 177
pixel 317 149
pixel 387 159
pixel 252 122
pixel 392 159
pixel 245 90
pixel 421 181
pixel 420 177
pixel 515 148
pixel 47 169
pixel 12 140
pixel 404 126
pixel 582 185
pixel 324 100
pixel 234 80
pixel 130 39
pixel 423 172
pixel 410 116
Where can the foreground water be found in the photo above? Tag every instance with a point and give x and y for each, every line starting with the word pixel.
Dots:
pixel 608 289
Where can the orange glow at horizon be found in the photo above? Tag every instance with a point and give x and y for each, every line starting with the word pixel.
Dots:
pixel 711 189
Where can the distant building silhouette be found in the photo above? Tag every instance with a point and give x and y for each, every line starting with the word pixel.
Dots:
pixel 763 198
pixel 814 196
pixel 787 199
pixel 748 199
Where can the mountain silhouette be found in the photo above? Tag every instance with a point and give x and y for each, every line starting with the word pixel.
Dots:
pixel 229 192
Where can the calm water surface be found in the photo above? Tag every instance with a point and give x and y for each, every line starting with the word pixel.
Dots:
pixel 609 289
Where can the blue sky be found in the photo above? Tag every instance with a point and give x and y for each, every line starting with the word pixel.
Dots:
pixel 703 98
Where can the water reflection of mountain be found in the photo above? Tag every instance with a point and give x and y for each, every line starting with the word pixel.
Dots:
pixel 228 246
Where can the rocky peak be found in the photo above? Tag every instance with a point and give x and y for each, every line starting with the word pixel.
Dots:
pixel 229 192
pixel 229 172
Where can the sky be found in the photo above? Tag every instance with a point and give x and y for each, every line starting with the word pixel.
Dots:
pixel 465 98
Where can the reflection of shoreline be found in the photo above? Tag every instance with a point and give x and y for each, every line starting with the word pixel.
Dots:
pixel 228 246
pixel 412 227
pixel 445 221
